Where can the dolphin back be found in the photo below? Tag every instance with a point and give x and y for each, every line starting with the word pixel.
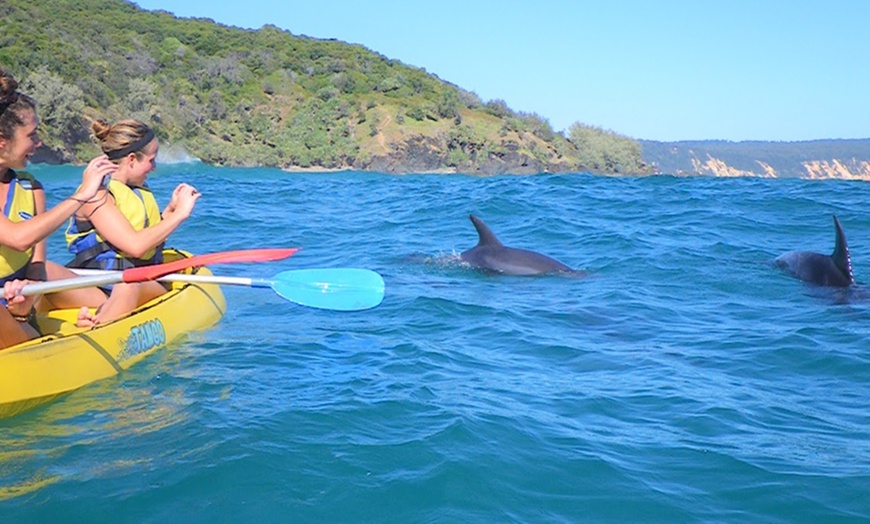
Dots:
pixel 824 270
pixel 814 268
pixel 491 255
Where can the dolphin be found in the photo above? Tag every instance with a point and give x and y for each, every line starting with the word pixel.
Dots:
pixel 833 270
pixel 491 255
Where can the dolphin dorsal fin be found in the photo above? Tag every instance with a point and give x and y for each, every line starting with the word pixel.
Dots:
pixel 841 257
pixel 487 238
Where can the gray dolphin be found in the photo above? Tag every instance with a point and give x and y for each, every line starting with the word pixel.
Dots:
pixel 825 270
pixel 491 255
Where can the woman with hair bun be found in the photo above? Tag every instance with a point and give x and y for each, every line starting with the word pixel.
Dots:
pixel 123 226
pixel 25 223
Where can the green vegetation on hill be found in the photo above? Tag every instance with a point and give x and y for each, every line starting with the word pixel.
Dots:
pixel 267 97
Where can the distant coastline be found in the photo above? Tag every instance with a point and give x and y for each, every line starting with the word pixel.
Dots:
pixel 846 159
pixel 842 159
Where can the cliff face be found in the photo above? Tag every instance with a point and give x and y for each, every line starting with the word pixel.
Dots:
pixel 718 167
pixel 427 154
pixel 819 159
pixel 852 169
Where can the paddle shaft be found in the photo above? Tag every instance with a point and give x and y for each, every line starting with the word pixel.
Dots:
pixel 56 286
pixel 154 272
pixel 194 279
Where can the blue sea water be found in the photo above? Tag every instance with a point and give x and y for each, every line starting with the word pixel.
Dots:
pixel 683 380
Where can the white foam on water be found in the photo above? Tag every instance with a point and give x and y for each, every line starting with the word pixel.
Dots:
pixel 175 155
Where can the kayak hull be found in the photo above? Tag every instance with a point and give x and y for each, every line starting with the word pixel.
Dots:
pixel 68 357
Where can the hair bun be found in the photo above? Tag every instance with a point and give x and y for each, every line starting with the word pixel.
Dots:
pixel 100 128
pixel 8 85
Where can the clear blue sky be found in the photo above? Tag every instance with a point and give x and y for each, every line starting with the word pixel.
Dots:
pixel 650 69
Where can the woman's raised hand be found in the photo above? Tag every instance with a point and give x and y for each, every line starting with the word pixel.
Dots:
pixel 92 178
pixel 182 202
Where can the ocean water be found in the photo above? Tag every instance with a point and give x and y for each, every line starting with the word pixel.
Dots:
pixel 683 380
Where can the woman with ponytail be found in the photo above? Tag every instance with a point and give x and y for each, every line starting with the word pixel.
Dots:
pixel 123 226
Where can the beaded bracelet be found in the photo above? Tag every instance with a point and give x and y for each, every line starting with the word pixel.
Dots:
pixel 29 317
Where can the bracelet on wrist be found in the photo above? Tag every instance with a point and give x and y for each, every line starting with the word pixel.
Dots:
pixel 29 317
pixel 83 202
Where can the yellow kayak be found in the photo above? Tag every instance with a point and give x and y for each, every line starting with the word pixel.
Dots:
pixel 69 357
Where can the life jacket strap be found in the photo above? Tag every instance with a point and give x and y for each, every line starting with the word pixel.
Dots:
pixel 87 258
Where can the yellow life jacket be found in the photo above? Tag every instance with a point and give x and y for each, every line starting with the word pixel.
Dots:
pixel 20 206
pixel 139 207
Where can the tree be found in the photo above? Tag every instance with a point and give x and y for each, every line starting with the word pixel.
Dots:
pixel 601 150
pixel 60 106
pixel 141 101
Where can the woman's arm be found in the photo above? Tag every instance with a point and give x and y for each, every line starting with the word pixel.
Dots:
pixel 20 236
pixel 113 226
pixel 36 268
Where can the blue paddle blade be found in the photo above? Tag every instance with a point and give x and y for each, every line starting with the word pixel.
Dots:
pixel 341 289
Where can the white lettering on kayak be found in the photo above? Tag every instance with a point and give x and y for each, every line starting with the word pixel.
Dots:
pixel 143 337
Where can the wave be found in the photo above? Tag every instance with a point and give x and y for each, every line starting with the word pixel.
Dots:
pixel 176 155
